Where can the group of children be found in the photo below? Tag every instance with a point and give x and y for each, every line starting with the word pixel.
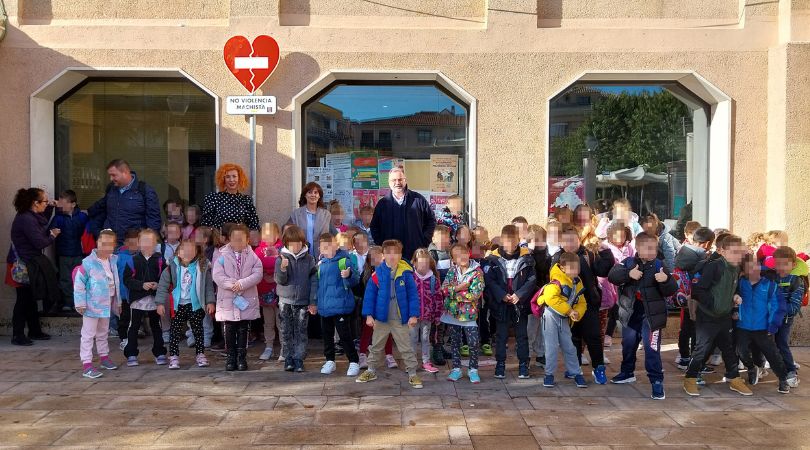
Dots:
pixel 561 288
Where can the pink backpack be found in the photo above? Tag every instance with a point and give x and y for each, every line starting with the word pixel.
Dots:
pixel 537 310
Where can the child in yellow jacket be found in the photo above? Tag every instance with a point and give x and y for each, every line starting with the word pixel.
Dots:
pixel 564 304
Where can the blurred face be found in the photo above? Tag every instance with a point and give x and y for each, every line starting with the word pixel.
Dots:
pixel 565 216
pixel 583 217
pixel 570 242
pixel 784 266
pixel 523 229
pixel 571 269
pixel 621 212
pixel 647 249
pixel 173 233
pixel 191 216
pixel 441 239
pixel 366 217
pixel 461 257
pixel 751 271
pixel 554 235
pixel 255 238
pixel 733 254
pixel 463 236
pixel 650 227
pixel 119 178
pixel 65 205
pixel 105 246
pixel 509 243
pixel 397 182
pixel 481 235
pixel 537 241
pixel 376 258
pixel 328 248
pixel 617 238
pixel 423 264
pixel 187 252
pixel 131 244
pixel 313 196
pixel 147 243
pixel 173 209
pixel 269 235
pixel 295 246
pixel 455 205
pixel 337 219
pixel 392 257
pixel 361 244
pixel 239 240
pixel 231 181
pixel 41 204
pixel 201 239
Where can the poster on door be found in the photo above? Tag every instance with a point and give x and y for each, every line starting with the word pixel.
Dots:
pixel 438 201
pixel 364 170
pixel 364 197
pixel 384 166
pixel 324 177
pixel 444 174
pixel 565 191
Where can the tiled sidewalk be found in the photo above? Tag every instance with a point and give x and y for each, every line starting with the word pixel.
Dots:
pixel 45 402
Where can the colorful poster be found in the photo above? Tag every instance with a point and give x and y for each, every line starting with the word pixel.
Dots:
pixel 364 170
pixel 384 166
pixel 444 173
pixel 438 200
pixel 363 197
pixel 565 191
pixel 324 177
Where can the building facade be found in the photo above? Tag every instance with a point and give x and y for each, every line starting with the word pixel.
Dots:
pixel 85 81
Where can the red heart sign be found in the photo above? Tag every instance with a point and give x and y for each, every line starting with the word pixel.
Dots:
pixel 251 64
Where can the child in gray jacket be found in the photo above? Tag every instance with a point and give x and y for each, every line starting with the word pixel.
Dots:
pixel 297 288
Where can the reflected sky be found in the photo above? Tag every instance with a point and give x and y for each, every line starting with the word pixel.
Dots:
pixel 373 102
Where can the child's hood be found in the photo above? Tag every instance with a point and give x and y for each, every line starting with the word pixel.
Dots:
pixel 470 269
pixel 558 275
pixel 402 267
pixel 301 253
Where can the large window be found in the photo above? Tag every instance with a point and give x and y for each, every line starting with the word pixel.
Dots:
pixel 165 128
pixel 633 141
pixel 355 133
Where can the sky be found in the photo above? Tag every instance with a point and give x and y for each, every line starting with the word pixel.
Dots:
pixel 373 102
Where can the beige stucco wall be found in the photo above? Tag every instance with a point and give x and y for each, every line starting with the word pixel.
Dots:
pixel 510 61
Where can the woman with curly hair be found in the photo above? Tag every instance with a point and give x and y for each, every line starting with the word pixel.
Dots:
pixel 229 205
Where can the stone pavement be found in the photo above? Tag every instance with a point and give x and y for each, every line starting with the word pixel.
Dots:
pixel 45 402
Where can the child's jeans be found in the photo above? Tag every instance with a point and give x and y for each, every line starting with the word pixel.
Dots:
pixel 636 331
pixel 473 341
pixel 294 320
pixel 421 331
pixel 747 339
pixel 782 339
pixel 272 320
pixel 521 338
pixel 534 331
pixel 556 337
pixel 94 329
pixel 183 315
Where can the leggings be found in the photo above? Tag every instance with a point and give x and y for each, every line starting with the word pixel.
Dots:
pixel 456 332
pixel 182 315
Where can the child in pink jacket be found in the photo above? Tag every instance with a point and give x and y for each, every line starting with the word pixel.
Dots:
pixel 619 240
pixel 237 271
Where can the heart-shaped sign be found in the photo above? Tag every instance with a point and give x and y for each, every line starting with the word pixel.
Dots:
pixel 251 64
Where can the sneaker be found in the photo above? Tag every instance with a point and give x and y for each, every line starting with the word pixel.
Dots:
pixel 454 375
pixel 22 340
pixel 366 376
pixel 580 381
pixel 715 360
pixel 739 386
pixel 741 366
pixel 363 361
pixel 473 375
pixel 623 378
pixel 123 344
pixel 753 377
pixel 202 361
pixel 523 370
pixel 599 375
pixel 690 386
pixel 658 391
pixel 486 350
pixel 682 363
pixel 174 362
pixel 793 379
pixel 500 369
pixel 465 351
pixel 354 370
pixel 707 369
pixel 548 381
pixel 299 365
pixel 540 362
pixel 280 358
pixel 568 375
pixel 391 362
pixel 608 341
pixel 700 381
pixel 132 361
pixel 289 365
pixel 767 365
pixel 91 372
pixel 328 367
pixel 161 360
pixel 107 364
pixel 783 388
pixel 415 382
pixel 585 360
pixel 266 354
pixel 430 368
pixel 112 334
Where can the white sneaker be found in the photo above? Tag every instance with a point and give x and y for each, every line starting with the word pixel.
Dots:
pixel 354 370
pixel 328 367
pixel 716 360
pixel 767 365
pixel 585 360
pixel 793 379
pixel 741 366
pixel 391 362
pixel 363 361
pixel 123 344
pixel 281 357
pixel 266 354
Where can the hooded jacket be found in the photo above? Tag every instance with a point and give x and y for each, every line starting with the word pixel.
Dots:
pixel 591 266
pixel 610 294
pixel 647 291
pixel 298 284
pixel 431 298
pixel 669 247
pixel 91 289
pixel 335 294
pixel 142 271
pixel 557 294
pixel 378 293
pixel 688 257
pixel 268 254
pixel 713 288
pixel 463 305
pixel 225 274
pixel 761 308
pixel 204 284
pixel 69 241
pixel 499 284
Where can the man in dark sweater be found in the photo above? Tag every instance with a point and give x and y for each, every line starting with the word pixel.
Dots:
pixel 403 215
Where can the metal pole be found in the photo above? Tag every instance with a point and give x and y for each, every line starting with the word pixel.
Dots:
pixel 253 157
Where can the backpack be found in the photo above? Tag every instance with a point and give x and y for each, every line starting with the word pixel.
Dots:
pixel 537 309
pixel 681 298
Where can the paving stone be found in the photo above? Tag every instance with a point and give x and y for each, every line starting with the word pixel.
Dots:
pixel 568 403
pixel 515 442
pixel 401 435
pixel 332 435
pixel 24 435
pixel 67 402
pixel 459 435
pixel 495 422
pixel 535 418
pixel 433 417
pixel 211 435
pixel 173 418
pixel 133 402
pixel 784 419
pixel 126 388
pixel 401 401
pixel 574 435
pixel 284 389
pixel 78 418
pixel 716 419
pixel 208 388
pixel 776 438
pixel 364 417
pixel 124 436
pixel 233 403
pixel 21 417
pixel 694 435
pixel 11 401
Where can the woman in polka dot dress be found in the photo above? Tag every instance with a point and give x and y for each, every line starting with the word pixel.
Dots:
pixel 229 205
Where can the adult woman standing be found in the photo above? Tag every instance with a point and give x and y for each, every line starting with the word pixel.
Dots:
pixel 312 216
pixel 229 205
pixel 29 236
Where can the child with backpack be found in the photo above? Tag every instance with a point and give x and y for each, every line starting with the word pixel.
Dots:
pixel 714 285
pixel 142 281
pixel 431 302
pixel 620 243
pixel 760 315
pixel 462 290
pixel 267 252
pixel 560 303
pixel 644 283
pixel 792 276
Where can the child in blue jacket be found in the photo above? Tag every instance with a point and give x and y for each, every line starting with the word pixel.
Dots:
pixel 337 275
pixel 761 314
